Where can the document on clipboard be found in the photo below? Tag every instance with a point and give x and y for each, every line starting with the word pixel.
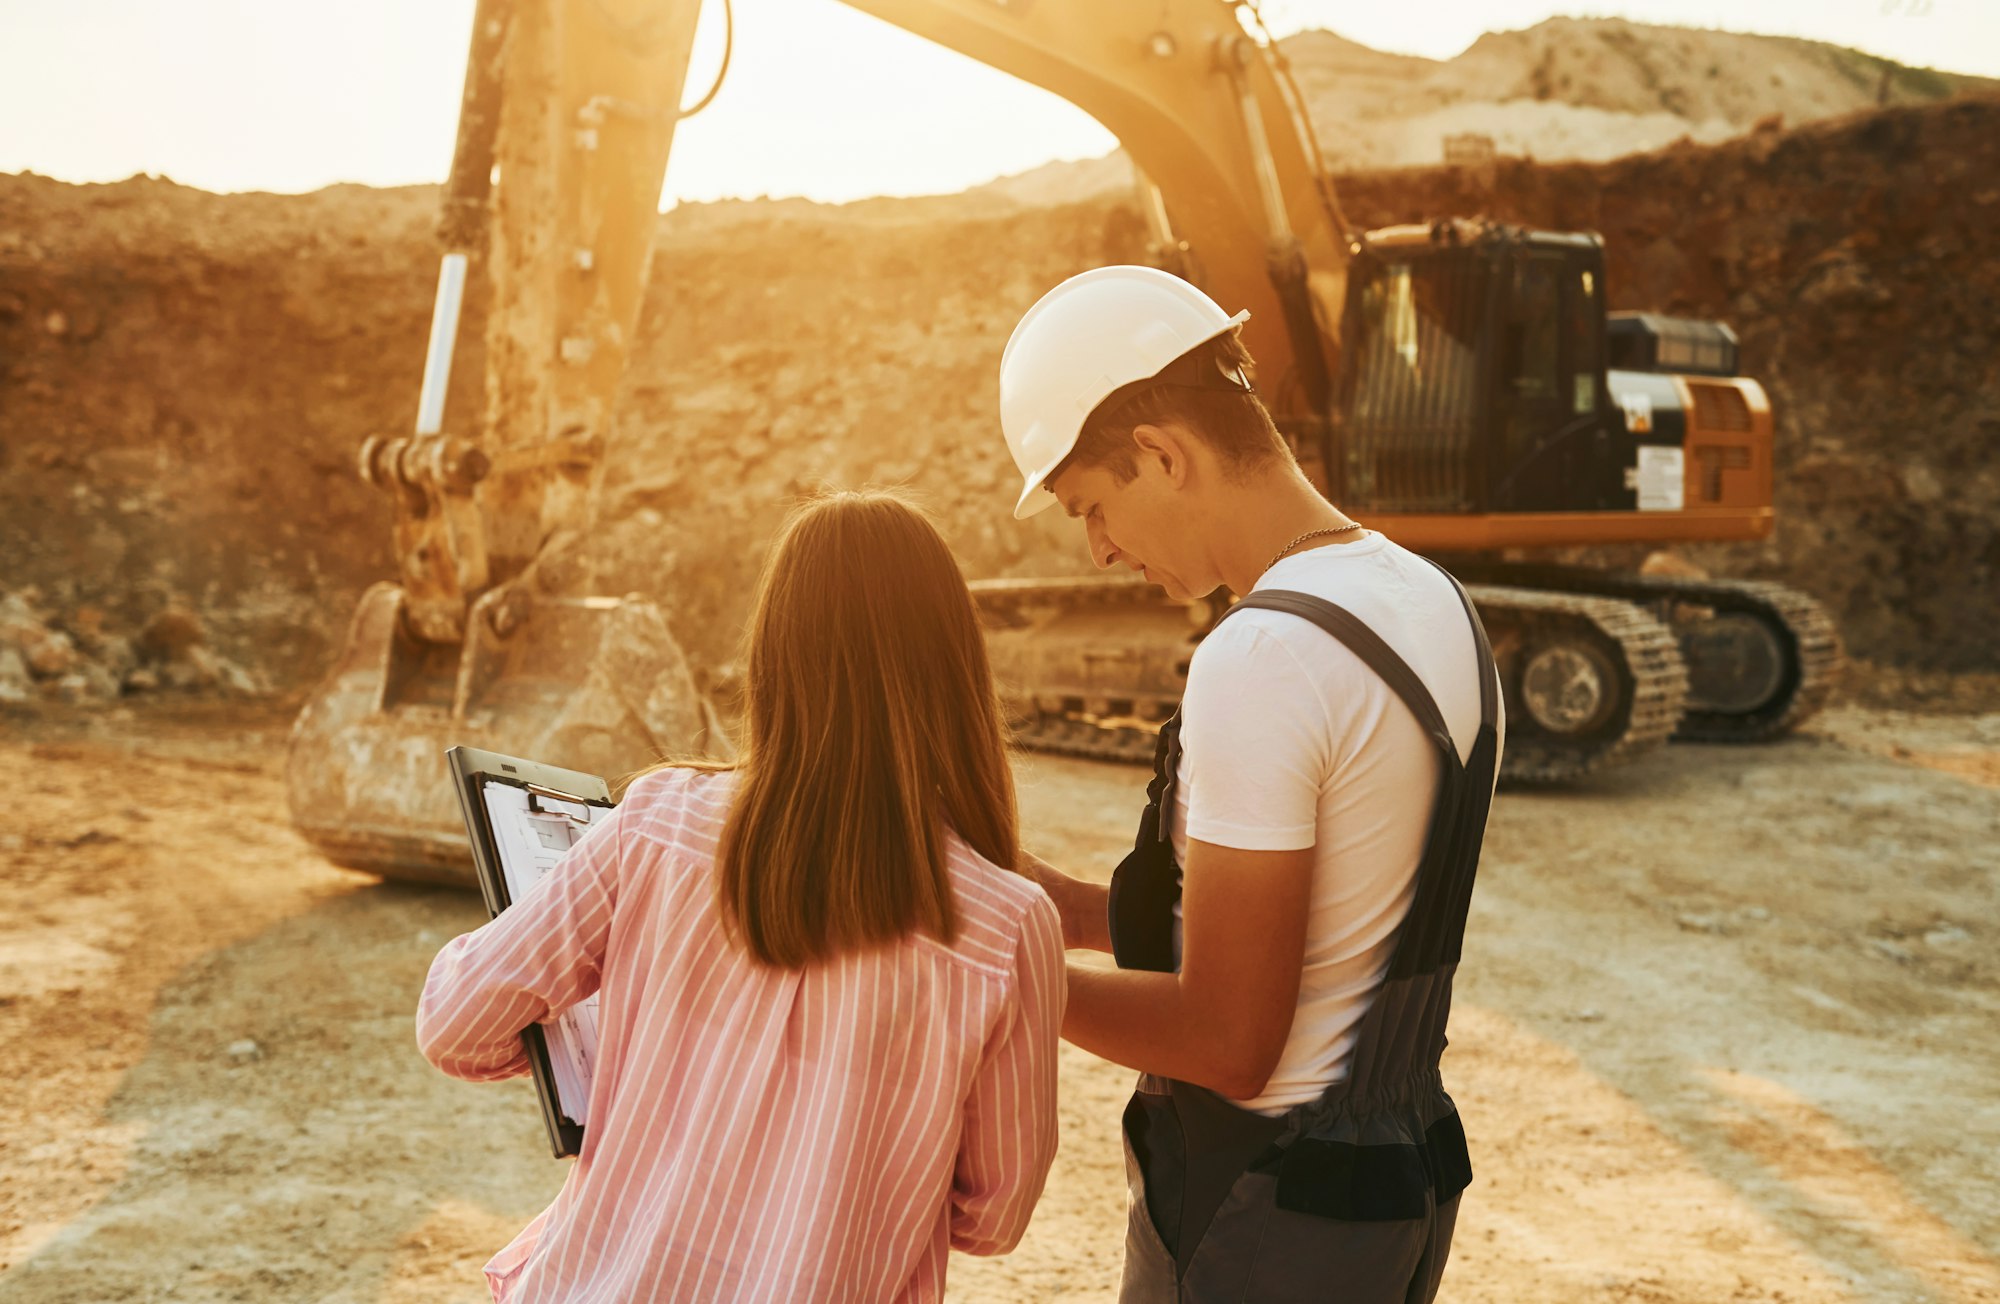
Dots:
pixel 521 817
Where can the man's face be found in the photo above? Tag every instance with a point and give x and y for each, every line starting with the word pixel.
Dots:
pixel 1134 525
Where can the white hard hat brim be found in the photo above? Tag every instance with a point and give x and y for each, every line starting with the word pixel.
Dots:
pixel 1034 500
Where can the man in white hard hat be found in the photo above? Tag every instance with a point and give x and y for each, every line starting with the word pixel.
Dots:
pixel 1290 918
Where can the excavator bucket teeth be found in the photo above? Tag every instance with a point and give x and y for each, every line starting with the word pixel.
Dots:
pixel 590 684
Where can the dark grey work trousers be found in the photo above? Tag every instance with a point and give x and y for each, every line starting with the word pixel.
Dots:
pixel 1255 1252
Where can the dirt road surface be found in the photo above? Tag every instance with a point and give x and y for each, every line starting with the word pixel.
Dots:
pixel 1726 1031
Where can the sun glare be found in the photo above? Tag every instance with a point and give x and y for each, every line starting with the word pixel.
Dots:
pixel 821 100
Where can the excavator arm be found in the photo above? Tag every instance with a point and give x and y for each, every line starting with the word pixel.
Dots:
pixel 1200 107
pixel 568 119
pixel 572 106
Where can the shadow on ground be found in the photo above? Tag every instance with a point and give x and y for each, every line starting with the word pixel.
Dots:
pixel 256 1178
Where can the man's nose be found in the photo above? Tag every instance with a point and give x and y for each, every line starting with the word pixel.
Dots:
pixel 1101 550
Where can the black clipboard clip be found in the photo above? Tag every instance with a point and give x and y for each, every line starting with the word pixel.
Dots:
pixel 536 790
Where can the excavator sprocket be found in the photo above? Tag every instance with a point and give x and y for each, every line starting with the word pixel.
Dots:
pixel 1793 621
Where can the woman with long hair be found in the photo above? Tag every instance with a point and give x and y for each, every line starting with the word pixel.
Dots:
pixel 828 1006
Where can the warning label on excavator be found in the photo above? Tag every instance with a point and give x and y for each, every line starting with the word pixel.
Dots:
pixel 1661 476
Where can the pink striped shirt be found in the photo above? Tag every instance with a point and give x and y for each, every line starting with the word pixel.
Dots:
pixel 829 1133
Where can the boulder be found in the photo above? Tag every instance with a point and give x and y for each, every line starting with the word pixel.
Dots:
pixel 195 669
pixel 15 685
pixel 51 655
pixel 171 633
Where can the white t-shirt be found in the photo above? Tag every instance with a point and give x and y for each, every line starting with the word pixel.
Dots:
pixel 1289 740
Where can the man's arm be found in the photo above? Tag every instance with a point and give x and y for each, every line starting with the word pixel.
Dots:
pixel 1259 742
pixel 1222 1021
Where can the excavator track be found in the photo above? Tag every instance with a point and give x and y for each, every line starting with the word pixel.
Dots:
pixel 1819 661
pixel 1762 658
pixel 1070 736
pixel 1632 648
pixel 1089 668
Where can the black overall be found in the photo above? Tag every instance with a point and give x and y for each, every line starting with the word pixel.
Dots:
pixel 1351 1197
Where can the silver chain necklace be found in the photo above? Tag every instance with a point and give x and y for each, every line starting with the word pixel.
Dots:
pixel 1311 534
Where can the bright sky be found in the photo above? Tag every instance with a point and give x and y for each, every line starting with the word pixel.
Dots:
pixel 821 100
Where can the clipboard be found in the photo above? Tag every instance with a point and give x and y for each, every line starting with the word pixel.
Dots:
pixel 548 790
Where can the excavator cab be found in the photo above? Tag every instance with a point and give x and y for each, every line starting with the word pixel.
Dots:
pixel 1482 377
pixel 1487 401
pixel 1474 378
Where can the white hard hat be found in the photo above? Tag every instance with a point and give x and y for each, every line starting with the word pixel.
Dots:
pixel 1091 335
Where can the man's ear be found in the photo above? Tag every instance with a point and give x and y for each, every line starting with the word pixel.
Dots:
pixel 1168 448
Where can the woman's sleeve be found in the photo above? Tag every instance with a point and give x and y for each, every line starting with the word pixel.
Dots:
pixel 1009 1139
pixel 537 958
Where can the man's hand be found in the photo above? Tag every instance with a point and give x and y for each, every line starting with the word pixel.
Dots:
pixel 1085 907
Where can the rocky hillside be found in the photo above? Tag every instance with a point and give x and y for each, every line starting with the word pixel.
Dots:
pixel 184 378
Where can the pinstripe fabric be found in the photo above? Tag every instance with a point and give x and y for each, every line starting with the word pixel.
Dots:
pixel 762 1134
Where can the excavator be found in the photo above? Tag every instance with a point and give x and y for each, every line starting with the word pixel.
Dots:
pixel 1458 385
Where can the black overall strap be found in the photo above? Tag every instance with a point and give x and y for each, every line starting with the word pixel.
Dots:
pixel 1146 885
pixel 1434 930
pixel 1489 679
pixel 1343 1173
pixel 1364 643
pixel 1383 1144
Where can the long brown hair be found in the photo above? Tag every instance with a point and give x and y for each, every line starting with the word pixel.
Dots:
pixel 871 732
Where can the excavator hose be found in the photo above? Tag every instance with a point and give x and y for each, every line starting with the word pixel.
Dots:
pixel 728 48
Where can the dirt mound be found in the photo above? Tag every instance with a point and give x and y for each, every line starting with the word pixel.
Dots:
pixel 1700 76
pixel 184 378
pixel 1566 89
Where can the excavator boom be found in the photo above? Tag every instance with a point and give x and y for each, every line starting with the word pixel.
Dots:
pixel 566 125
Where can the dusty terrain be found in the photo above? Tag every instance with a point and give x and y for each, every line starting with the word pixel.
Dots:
pixel 1725 1032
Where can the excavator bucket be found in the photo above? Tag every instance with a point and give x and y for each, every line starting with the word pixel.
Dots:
pixel 590 684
